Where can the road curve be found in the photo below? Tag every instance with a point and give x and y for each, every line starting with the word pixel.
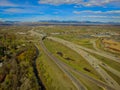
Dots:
pixel 92 61
pixel 97 82
pixel 116 72
pixel 77 83
pixel 111 57
pixel 101 51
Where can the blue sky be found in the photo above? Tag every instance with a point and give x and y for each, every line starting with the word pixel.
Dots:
pixel 80 10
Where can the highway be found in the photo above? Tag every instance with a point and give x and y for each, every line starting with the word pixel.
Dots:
pixel 101 51
pixel 111 57
pixel 92 61
pixel 103 64
pixel 74 80
pixel 66 69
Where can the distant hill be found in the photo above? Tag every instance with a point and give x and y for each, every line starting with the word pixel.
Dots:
pixel 8 23
pixel 79 22
pixel 55 22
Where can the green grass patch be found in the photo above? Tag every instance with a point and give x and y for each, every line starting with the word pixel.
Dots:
pixel 80 41
pixel 116 78
pixel 51 75
pixel 71 58
pixel 88 84
pixel 109 62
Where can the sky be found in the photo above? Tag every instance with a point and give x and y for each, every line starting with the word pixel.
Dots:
pixel 63 10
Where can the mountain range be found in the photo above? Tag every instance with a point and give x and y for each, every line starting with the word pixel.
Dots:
pixel 56 22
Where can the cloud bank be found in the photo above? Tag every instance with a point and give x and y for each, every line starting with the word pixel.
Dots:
pixel 7 3
pixel 79 2
pixel 97 12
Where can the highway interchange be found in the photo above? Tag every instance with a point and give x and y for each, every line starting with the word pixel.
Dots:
pixel 110 84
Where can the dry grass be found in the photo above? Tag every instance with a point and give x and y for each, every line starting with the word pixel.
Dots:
pixel 111 44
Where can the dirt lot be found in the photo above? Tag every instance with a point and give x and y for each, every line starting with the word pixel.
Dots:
pixel 111 44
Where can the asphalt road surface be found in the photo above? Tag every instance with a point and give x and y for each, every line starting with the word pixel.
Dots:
pixel 75 81
pixel 68 68
pixel 65 68
pixel 92 60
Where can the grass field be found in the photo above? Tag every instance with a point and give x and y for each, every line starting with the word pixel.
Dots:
pixel 52 77
pixel 116 78
pixel 80 41
pixel 71 58
pixel 109 62
pixel 22 68
pixel 89 85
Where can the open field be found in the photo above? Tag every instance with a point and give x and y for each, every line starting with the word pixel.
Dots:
pixel 113 75
pixel 59 44
pixel 59 57
pixel 64 54
pixel 88 84
pixel 112 44
pixel 102 46
pixel 86 42
pixel 114 64
pixel 52 76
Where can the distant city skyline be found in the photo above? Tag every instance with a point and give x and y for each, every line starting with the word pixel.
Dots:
pixel 62 10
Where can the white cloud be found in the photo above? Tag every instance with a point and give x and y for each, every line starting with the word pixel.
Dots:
pixel 7 3
pixel 15 10
pixel 87 11
pixel 78 2
pixel 111 17
pixel 95 16
pixel 55 2
pixel 76 12
pixel 98 2
pixel 56 12
pixel 1 19
pixel 97 12
pixel 21 10
pixel 114 11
